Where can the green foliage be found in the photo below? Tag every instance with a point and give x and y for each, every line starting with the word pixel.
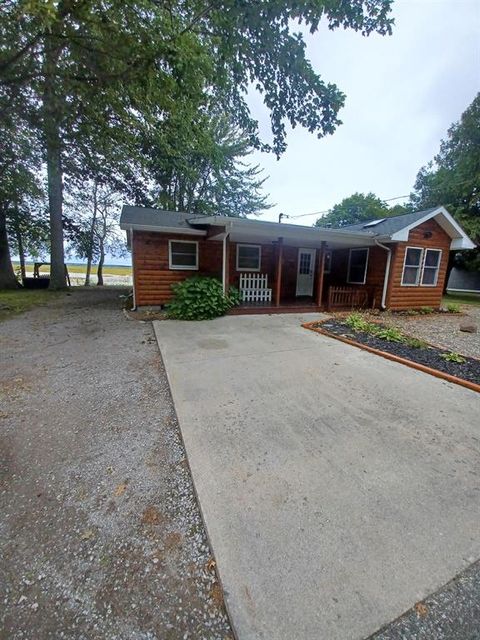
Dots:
pixel 390 334
pixel 200 298
pixel 453 177
pixel 357 208
pixel 358 323
pixel 425 311
pixel 453 307
pixel 452 356
pixel 415 343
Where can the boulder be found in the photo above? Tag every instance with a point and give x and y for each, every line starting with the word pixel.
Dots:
pixel 468 327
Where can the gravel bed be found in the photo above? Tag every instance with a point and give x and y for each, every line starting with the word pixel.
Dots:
pixel 430 357
pixel 441 329
pixel 101 536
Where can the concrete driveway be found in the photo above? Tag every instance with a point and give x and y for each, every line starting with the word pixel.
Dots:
pixel 338 488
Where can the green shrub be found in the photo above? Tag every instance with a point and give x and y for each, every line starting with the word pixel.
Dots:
pixel 452 356
pixel 358 323
pixel 390 334
pixel 453 307
pixel 200 298
pixel 426 310
pixel 416 343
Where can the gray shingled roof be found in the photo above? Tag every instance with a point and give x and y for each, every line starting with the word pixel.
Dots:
pixel 390 225
pixel 144 217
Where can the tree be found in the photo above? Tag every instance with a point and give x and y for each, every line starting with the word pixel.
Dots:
pixel 453 179
pixel 356 208
pixel 137 60
pixel 204 172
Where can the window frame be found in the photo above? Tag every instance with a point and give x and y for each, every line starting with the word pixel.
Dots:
pixel 183 267
pixel 420 266
pixel 367 249
pixel 329 255
pixel 256 246
pixel 437 268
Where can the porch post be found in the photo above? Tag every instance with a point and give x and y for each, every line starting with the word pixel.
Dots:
pixel 226 263
pixel 320 268
pixel 278 278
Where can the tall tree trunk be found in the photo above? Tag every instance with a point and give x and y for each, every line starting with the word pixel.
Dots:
pixel 100 264
pixel 7 275
pixel 91 238
pixel 21 250
pixel 52 110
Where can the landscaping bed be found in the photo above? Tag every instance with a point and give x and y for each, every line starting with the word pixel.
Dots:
pixel 396 343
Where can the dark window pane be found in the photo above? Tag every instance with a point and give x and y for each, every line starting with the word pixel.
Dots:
pixel 429 275
pixel 432 258
pixel 413 257
pixel 183 254
pixel 248 257
pixel 410 275
pixel 358 264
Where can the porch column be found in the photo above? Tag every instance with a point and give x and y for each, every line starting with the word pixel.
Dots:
pixel 320 271
pixel 226 263
pixel 278 274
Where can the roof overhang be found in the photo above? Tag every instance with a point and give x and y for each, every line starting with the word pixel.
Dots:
pixel 248 230
pixel 460 240
pixel 127 226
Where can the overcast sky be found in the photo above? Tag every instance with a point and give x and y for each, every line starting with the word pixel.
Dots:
pixel 402 93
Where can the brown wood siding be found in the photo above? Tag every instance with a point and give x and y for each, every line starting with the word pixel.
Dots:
pixel 377 258
pixel 152 277
pixel 401 297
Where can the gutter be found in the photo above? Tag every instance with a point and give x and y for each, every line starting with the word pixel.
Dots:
pixel 387 272
pixel 134 307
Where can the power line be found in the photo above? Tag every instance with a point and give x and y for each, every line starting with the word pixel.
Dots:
pixel 317 213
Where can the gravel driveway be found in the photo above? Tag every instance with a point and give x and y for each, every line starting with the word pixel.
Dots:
pixel 100 533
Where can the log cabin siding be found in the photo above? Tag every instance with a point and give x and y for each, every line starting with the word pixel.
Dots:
pixel 410 297
pixel 153 278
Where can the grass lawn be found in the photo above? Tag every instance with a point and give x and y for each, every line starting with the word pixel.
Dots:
pixel 462 298
pixel 12 302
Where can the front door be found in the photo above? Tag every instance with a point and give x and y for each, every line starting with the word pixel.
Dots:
pixel 305 272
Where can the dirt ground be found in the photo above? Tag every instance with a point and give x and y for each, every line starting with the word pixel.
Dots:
pixel 100 532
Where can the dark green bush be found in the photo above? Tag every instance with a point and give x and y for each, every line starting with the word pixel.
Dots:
pixel 200 298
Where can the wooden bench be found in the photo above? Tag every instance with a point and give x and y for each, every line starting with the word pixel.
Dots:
pixel 254 288
pixel 346 298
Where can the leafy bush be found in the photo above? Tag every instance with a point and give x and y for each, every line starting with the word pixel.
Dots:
pixel 200 298
pixel 453 307
pixel 416 343
pixel 452 356
pixel 358 323
pixel 390 334
pixel 426 310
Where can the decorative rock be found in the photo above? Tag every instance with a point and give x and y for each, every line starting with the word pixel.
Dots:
pixel 468 327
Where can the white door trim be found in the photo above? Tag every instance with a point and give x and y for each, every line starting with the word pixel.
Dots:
pixel 305 282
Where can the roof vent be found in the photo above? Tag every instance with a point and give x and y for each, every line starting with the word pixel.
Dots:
pixel 373 223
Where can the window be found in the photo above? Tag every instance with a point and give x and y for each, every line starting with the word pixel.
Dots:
pixel 248 257
pixel 183 254
pixel 411 266
pixel 357 266
pixel 431 265
pixel 327 265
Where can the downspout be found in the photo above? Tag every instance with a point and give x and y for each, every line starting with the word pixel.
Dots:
pixel 134 307
pixel 387 272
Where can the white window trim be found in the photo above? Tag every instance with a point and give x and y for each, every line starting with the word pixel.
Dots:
pixel 330 253
pixel 257 246
pixel 437 268
pixel 183 267
pixel 366 265
pixel 420 266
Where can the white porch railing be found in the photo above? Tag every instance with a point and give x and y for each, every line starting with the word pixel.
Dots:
pixel 254 287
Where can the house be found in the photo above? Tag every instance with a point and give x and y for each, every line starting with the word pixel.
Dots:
pixel 394 263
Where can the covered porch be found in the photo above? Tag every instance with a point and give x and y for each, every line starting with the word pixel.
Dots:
pixel 282 268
